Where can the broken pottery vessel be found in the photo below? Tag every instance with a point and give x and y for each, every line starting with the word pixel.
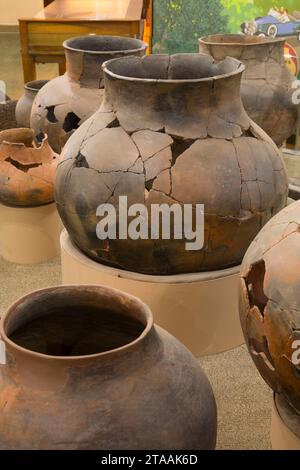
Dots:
pixel 172 130
pixel 26 171
pixel 267 83
pixel 270 308
pixel 24 105
pixel 87 369
pixel 8 115
pixel 67 101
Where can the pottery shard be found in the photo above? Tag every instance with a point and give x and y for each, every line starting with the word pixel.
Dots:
pixel 163 182
pixel 155 165
pixel 150 143
pixel 135 182
pixel 110 150
pixel 207 162
pixel 26 155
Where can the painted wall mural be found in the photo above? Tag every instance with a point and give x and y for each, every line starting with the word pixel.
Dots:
pixel 179 23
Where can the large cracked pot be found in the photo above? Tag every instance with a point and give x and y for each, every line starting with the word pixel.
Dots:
pixel 172 130
pixel 270 308
pixel 27 171
pixel 66 102
pixel 86 369
pixel 24 105
pixel 267 90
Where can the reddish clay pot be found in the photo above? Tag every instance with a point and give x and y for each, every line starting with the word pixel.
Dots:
pixel 67 101
pixel 24 106
pixel 87 369
pixel 173 130
pixel 270 306
pixel 26 171
pixel 267 90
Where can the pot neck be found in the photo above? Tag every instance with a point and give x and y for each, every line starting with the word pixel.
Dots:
pixel 52 372
pixel 85 67
pixel 181 108
pixel 248 53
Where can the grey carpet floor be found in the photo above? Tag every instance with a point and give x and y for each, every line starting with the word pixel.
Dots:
pixel 243 399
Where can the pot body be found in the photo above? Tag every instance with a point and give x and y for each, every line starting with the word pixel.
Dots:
pixel 8 115
pixel 149 395
pixel 171 142
pixel 24 105
pixel 69 100
pixel 267 84
pixel 270 303
pixel 27 171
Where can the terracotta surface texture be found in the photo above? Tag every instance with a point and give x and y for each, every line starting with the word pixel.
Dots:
pixel 26 170
pixel 24 105
pixel 8 115
pixel 171 130
pixel 270 304
pixel 267 85
pixel 67 101
pixel 87 369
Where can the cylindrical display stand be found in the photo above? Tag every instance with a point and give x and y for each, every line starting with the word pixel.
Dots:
pixel 29 235
pixel 283 436
pixel 201 310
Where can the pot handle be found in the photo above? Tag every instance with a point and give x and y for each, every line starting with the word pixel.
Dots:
pixel 2 353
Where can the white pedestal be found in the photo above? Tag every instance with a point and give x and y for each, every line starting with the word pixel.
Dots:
pixel 201 310
pixel 29 235
pixel 282 437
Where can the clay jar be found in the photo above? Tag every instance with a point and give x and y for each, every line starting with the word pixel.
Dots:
pixel 87 369
pixel 270 308
pixel 26 171
pixel 24 105
pixel 67 101
pixel 267 90
pixel 172 130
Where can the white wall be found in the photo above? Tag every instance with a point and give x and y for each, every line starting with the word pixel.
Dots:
pixel 11 10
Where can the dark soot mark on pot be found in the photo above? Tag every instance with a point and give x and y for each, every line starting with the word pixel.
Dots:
pixel 77 331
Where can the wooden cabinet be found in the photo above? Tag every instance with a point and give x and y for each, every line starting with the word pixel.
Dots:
pixel 42 36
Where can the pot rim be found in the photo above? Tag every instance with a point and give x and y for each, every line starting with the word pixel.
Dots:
pixel 4 142
pixel 29 85
pixel 144 310
pixel 239 70
pixel 260 41
pixel 143 45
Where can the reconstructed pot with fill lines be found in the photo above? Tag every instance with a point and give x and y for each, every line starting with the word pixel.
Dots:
pixel 67 101
pixel 27 170
pixel 86 369
pixel 172 130
pixel 267 85
pixel 24 105
pixel 270 309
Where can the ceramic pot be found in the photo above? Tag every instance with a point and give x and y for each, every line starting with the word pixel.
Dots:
pixel 24 106
pixel 67 101
pixel 172 130
pixel 87 369
pixel 26 171
pixel 267 85
pixel 8 115
pixel 270 304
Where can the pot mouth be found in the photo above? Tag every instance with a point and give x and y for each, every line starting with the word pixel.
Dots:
pixel 94 44
pixel 238 40
pixel 35 85
pixel 178 68
pixel 21 137
pixel 75 323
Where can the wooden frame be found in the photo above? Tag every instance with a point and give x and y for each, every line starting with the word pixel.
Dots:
pixel 42 38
